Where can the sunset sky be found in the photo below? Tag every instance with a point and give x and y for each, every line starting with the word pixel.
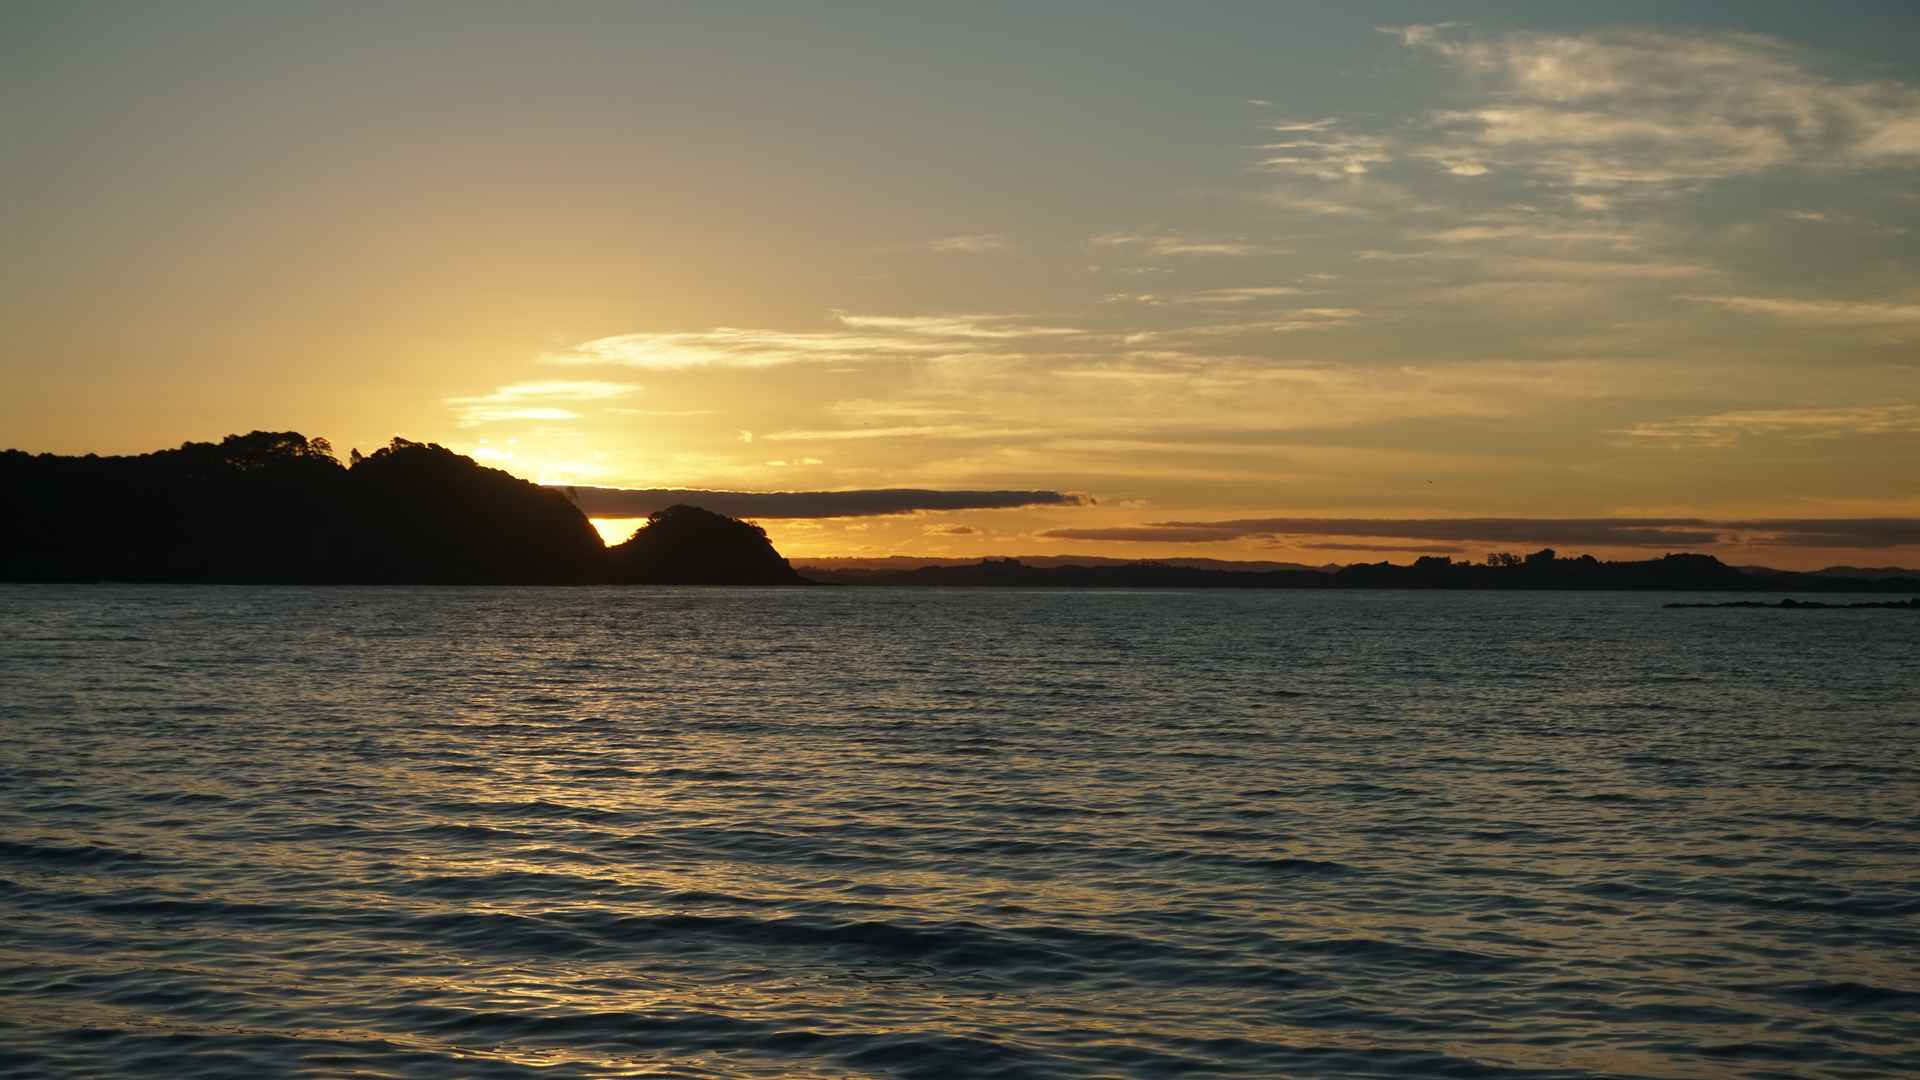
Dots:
pixel 1241 280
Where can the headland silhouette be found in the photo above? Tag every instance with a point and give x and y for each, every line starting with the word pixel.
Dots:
pixel 279 508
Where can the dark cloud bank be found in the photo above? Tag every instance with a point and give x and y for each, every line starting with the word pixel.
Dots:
pixel 639 502
pixel 1667 533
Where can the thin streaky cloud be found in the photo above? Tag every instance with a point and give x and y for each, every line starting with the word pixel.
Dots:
pixel 1176 244
pixel 534 401
pixel 472 415
pixel 1414 34
pixel 1675 533
pixel 1728 428
pixel 1326 155
pixel 1656 269
pixel 970 244
pixel 1413 549
pixel 874 502
pixel 733 347
pixel 1291 322
pixel 1824 312
pixel 660 413
pixel 1881 532
pixel 859 338
pixel 899 431
pixel 984 327
pixel 1303 125
pixel 550 390
pixel 1222 297
pixel 1552 234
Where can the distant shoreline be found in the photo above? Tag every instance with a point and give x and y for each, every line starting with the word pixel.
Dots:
pixel 1541 572
pixel 1791 604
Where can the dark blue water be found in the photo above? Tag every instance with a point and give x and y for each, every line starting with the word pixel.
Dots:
pixel 846 832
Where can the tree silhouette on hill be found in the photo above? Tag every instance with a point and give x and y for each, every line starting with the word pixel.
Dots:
pixel 423 513
pixel 276 506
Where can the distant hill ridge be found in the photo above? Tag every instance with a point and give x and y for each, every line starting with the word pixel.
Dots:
pixel 1541 570
pixel 834 565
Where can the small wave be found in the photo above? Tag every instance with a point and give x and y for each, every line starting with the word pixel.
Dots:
pixel 181 798
pixel 534 809
pixel 1844 996
pixel 87 855
pixel 1394 954
pixel 1290 865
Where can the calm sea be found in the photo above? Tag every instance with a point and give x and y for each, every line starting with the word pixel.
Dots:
pixel 255 832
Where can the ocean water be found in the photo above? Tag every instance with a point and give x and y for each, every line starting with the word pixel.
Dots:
pixel 822 833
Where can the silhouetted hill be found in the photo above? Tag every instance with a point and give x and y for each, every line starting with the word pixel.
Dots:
pixel 1813 579
pixel 277 507
pixel 428 515
pixel 685 545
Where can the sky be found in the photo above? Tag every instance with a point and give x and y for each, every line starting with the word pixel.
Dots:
pixel 1271 281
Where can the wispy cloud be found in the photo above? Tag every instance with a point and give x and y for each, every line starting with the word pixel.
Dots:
pixel 1616 269
pixel 1822 312
pixel 470 415
pixel 1412 549
pixel 1856 222
pixel 898 431
pixel 1415 34
pixel 731 347
pixel 1225 297
pixel 859 338
pixel 1884 532
pixel 867 409
pixel 982 327
pixel 1352 197
pixel 1544 246
pixel 970 244
pixel 1323 153
pixel 1597 532
pixel 1168 244
pixel 1643 108
pixel 1289 322
pixel 1727 428
pixel 1551 234
pixel 1663 533
pixel 659 413
pixel 534 401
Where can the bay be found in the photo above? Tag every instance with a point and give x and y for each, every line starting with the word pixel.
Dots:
pixel 953 833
